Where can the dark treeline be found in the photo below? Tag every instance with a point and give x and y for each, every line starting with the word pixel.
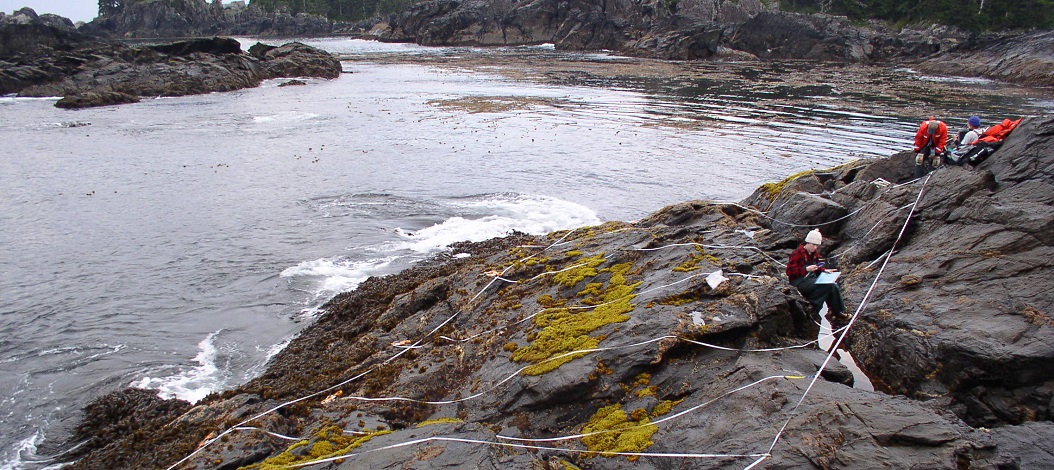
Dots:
pixel 972 15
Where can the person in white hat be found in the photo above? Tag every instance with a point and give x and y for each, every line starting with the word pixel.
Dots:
pixel 803 268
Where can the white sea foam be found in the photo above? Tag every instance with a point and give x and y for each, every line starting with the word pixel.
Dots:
pixel 190 385
pixel 285 117
pixel 497 216
pixel 23 455
pixel 480 218
pixel 335 275
pixel 271 352
pixel 14 458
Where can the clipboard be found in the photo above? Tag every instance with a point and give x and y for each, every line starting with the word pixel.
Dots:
pixel 828 277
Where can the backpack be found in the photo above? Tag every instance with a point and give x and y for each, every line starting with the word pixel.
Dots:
pixel 990 140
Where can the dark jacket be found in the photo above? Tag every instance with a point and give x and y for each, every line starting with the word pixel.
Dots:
pixel 799 259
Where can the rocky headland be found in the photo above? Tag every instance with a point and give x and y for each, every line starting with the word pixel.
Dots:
pixel 671 342
pixel 47 55
pixel 721 30
pixel 43 56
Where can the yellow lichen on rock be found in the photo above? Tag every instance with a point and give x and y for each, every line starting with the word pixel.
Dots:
pixel 564 330
pixel 446 420
pixel 692 264
pixel 327 442
pixel 772 190
pixel 616 432
pixel 583 268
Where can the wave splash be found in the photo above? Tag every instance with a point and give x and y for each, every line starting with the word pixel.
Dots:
pixel 473 218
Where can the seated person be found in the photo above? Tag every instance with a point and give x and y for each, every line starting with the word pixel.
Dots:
pixel 971 134
pixel 966 139
pixel 804 267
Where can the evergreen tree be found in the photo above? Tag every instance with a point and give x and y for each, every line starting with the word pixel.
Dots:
pixel 109 7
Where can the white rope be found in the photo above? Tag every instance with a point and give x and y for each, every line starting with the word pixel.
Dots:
pixel 848 326
pixel 520 446
pixel 775 220
pixel 341 384
pixel 654 423
pixel 518 442
pixel 500 277
pixel 713 247
pixel 578 352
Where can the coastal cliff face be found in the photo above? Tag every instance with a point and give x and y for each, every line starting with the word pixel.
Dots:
pixel 671 30
pixel 705 29
pixel 193 18
pixel 676 334
pixel 50 60
pixel 1026 59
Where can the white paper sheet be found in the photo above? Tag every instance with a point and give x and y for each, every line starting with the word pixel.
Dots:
pixel 828 277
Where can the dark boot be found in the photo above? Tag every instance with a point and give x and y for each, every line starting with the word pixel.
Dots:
pixel 920 171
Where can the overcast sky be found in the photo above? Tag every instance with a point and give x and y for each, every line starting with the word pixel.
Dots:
pixel 76 10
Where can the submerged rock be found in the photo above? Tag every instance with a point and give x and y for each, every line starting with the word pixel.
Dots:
pixel 678 335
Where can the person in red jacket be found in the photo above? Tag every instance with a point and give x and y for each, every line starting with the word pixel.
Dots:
pixel 929 146
pixel 804 266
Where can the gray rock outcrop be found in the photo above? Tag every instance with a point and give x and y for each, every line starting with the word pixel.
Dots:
pixel 24 32
pixel 961 315
pixel 569 348
pixel 676 30
pixel 1026 59
pixel 737 30
pixel 49 60
pixel 195 18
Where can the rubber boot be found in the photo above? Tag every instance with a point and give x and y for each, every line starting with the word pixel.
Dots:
pixel 920 171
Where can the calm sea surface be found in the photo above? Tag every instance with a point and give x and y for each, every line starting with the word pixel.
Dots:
pixel 176 244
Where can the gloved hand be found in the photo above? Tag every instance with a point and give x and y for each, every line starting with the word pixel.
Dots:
pixel 919 159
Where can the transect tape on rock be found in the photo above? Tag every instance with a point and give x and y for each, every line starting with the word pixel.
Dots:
pixel 713 279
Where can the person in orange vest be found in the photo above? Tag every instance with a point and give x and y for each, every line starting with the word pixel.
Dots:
pixel 929 146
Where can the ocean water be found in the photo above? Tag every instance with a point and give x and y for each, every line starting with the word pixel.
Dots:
pixel 178 243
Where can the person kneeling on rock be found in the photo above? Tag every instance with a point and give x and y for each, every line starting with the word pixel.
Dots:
pixel 930 141
pixel 804 268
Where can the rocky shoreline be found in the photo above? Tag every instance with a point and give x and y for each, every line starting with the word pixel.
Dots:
pixel 585 348
pixel 588 347
pixel 45 57
pixel 724 30
pixel 47 54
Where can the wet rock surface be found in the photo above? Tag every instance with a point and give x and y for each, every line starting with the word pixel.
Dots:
pixel 1027 59
pixel 575 346
pixel 736 30
pixel 94 72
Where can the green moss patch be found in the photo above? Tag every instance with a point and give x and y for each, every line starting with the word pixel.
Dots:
pixel 584 268
pixel 773 190
pixel 692 264
pixel 328 442
pixel 618 432
pixel 563 330
pixel 439 421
